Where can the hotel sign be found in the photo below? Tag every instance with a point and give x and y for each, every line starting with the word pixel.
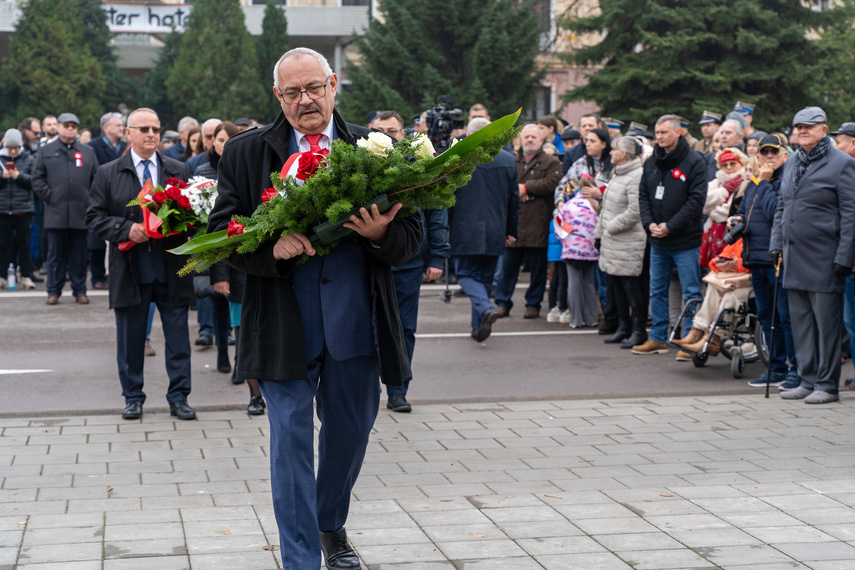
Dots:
pixel 146 18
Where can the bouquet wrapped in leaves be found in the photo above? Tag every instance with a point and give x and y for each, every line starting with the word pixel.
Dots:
pixel 316 193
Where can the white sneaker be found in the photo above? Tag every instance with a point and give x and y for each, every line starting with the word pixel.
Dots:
pixel 3 283
pixel 553 315
pixel 564 319
pixel 27 283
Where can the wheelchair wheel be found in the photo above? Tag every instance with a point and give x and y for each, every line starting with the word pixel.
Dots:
pixel 761 344
pixel 699 359
pixel 737 362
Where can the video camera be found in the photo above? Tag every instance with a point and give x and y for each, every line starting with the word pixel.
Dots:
pixel 441 121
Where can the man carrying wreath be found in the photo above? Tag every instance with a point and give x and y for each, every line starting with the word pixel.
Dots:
pixel 323 330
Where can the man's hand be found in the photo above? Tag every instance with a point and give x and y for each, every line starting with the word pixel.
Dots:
pixel 432 274
pixel 659 230
pixel 373 225
pixel 222 287
pixel 11 173
pixel 510 240
pixel 732 220
pixel 766 172
pixel 842 270
pixel 775 254
pixel 137 234
pixel 292 245
pixel 523 191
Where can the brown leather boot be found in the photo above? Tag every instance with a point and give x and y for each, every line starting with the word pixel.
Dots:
pixel 694 336
pixel 713 348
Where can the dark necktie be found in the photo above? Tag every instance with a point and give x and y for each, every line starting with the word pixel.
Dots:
pixel 313 142
pixel 146 173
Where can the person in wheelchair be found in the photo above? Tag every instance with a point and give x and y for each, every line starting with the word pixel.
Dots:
pixel 728 287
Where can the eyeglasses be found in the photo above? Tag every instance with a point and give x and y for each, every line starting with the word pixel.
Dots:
pixel 769 150
pixel 145 130
pixel 293 96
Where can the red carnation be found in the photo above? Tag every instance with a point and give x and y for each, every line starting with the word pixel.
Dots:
pixel 235 229
pixel 160 197
pixel 171 182
pixel 184 202
pixel 174 192
pixel 267 194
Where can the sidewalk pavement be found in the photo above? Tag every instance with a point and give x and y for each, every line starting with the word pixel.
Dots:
pixel 734 482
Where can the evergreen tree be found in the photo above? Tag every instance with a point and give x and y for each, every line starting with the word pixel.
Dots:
pixel 270 45
pixel 478 51
pixel 50 70
pixel 154 93
pixel 117 87
pixel 835 74
pixel 682 56
pixel 215 72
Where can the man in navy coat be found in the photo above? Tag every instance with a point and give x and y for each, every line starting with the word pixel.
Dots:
pixel 324 330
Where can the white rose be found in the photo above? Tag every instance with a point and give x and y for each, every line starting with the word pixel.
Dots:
pixel 378 144
pixel 422 147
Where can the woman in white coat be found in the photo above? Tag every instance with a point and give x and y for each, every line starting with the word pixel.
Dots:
pixel 623 241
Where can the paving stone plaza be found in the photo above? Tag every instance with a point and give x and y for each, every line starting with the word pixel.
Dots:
pixel 733 482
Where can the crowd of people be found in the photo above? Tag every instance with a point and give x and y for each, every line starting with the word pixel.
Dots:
pixel 624 227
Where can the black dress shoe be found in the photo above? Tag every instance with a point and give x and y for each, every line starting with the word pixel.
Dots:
pixel 204 340
pixel 256 406
pixel 637 337
pixel 224 365
pixel 619 336
pixel 338 554
pixel 489 317
pixel 398 403
pixel 132 411
pixel 182 410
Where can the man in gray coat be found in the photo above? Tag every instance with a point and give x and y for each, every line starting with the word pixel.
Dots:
pixel 815 229
pixel 63 173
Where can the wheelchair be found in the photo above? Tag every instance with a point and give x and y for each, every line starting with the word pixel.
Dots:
pixel 742 339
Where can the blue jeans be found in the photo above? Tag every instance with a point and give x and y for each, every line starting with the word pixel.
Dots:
pixel 475 275
pixel 512 260
pixel 408 283
pixel 662 263
pixel 205 315
pixel 849 313
pixel 763 282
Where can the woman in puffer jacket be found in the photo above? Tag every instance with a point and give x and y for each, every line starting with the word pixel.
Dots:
pixel 729 184
pixel 16 207
pixel 623 241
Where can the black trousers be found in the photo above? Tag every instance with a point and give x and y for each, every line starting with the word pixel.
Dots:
pixel 130 344
pixel 66 254
pixel 15 230
pixel 629 302
pixel 96 250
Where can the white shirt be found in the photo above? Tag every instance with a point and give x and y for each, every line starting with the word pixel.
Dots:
pixel 139 166
pixel 325 142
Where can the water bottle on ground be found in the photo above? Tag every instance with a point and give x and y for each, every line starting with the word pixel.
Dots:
pixel 10 277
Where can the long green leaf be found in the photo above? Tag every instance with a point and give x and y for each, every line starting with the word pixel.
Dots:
pixel 473 141
pixel 207 242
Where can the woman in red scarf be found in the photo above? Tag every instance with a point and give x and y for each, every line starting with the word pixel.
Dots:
pixel 729 184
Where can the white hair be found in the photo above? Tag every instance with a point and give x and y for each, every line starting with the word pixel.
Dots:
pixel 736 125
pixel 476 124
pixel 325 65
pixel 186 123
pixel 530 126
pixel 210 123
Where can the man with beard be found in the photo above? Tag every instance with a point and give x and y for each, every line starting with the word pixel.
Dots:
pixel 671 200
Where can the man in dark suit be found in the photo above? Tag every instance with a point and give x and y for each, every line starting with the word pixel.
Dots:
pixel 145 273
pixel 814 229
pixel 323 330
pixel 108 147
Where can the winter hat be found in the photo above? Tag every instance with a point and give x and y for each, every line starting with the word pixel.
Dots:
pixel 13 137
pixel 732 155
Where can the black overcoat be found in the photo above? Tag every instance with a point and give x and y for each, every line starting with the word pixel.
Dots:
pixel 272 344
pixel 110 218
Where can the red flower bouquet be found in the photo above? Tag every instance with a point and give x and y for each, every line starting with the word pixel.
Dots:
pixel 166 211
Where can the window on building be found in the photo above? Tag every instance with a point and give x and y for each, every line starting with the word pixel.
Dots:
pixel 542 105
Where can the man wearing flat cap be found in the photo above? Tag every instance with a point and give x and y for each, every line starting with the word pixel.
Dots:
pixel 61 178
pixel 709 123
pixel 814 236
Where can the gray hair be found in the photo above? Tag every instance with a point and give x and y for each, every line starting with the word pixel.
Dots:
pixel 187 123
pixel 530 126
pixel 325 65
pixel 736 124
pixel 476 124
pixel 630 145
pixel 107 116
pixel 672 119
pixel 210 123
